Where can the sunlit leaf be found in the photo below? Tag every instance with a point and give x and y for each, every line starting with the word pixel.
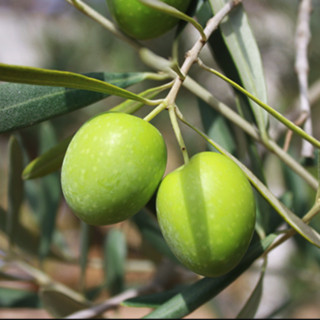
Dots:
pixel 237 53
pixel 23 105
pixel 46 77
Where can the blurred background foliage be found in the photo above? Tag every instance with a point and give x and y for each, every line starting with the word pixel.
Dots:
pixel 52 34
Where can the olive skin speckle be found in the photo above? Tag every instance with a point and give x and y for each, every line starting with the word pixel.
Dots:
pixel 112 167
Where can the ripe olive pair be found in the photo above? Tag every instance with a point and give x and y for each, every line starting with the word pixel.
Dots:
pixel 116 162
pixel 205 208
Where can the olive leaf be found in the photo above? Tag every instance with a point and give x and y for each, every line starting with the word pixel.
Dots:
pixel 46 77
pixel 60 304
pixel 217 127
pixel 48 162
pixel 84 252
pixel 23 105
pixel 46 202
pixel 115 254
pixel 153 300
pixel 15 187
pixel 237 53
pixel 269 109
pixel 18 298
pixel 250 308
pixel 198 293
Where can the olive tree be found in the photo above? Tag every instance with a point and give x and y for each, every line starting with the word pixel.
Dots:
pixel 186 150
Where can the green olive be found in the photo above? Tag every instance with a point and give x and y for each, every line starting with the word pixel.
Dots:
pixel 206 211
pixel 142 22
pixel 112 167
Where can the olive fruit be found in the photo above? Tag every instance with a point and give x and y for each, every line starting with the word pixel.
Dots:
pixel 112 167
pixel 206 212
pixel 142 22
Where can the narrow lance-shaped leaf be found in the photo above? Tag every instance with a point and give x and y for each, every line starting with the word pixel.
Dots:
pixel 84 253
pixel 251 306
pixel 50 194
pixel 59 303
pixel 23 105
pixel 15 187
pixel 294 221
pixel 129 106
pixel 245 63
pixel 318 175
pixel 303 194
pixel 216 127
pixel 269 109
pixel 115 254
pixel 48 162
pixel 198 293
pixel 153 300
pixel 46 77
